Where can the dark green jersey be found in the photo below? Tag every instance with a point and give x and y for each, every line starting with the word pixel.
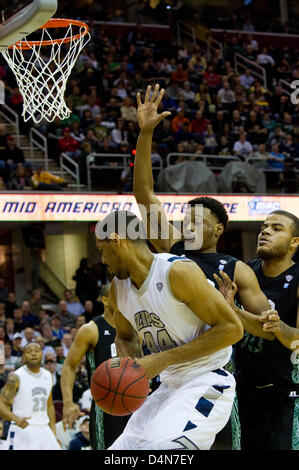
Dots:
pixel 262 362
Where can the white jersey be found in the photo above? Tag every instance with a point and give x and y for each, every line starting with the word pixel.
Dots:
pixel 32 397
pixel 163 321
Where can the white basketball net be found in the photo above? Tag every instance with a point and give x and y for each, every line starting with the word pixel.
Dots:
pixel 42 72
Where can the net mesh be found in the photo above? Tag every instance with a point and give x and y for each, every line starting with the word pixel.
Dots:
pixel 42 72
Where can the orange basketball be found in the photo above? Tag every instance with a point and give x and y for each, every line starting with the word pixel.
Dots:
pixel 119 386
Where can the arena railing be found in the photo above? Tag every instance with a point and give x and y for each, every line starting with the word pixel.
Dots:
pixel 65 163
pixel 91 163
pixel 12 118
pixel 187 29
pixel 243 63
pixel 38 142
pixel 121 159
pixel 207 159
pixel 214 45
pixel 286 86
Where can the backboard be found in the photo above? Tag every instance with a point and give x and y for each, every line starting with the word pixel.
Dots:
pixel 18 18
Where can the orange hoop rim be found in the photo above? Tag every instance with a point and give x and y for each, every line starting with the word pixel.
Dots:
pixel 55 23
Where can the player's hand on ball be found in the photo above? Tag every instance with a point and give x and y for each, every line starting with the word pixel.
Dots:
pixel 227 287
pixel 21 422
pixel 151 365
pixel 147 115
pixel 270 320
pixel 71 412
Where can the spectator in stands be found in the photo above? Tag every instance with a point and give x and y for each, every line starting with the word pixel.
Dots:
pixel 28 335
pixel 213 79
pixel 10 328
pixel 128 110
pixel 179 120
pixel 57 330
pixel 276 159
pixel 276 137
pixel 67 144
pixel 199 123
pixel 76 308
pixel 248 26
pixel 89 312
pixel 268 122
pixel 67 319
pixel 77 132
pixel 49 338
pixel 289 147
pixel 262 154
pixel 226 95
pixel 30 319
pixel 2 333
pixel 17 349
pixel 11 362
pixel 2 314
pixel 120 134
pixel 66 343
pixel 246 80
pixel 289 181
pixel 3 290
pixel 35 302
pixel 81 441
pixel 45 348
pixel 13 155
pixel 19 179
pixel 19 323
pixel 80 320
pixel 224 147
pixel 242 148
pixel 44 181
pixel 209 141
pixel 87 120
pixel 50 364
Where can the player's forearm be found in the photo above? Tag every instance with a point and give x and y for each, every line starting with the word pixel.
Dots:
pixel 52 418
pixel 216 338
pixel 6 413
pixel 287 336
pixel 128 348
pixel 143 182
pixel 252 324
pixel 67 381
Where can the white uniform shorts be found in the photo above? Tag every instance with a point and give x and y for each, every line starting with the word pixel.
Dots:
pixel 34 437
pixel 181 417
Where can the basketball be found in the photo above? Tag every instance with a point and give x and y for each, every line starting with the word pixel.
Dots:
pixel 119 386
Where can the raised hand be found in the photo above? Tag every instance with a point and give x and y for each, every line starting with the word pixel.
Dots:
pixel 147 115
pixel 227 287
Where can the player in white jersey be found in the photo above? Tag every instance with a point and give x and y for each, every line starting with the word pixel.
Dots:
pixel 26 401
pixel 185 323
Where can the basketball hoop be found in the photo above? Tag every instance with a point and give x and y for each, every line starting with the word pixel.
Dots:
pixel 42 68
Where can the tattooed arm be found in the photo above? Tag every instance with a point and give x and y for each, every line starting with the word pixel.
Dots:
pixel 7 395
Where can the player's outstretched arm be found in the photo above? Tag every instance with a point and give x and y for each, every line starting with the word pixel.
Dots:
pixel 251 322
pixel 85 339
pixel 190 286
pixel 286 335
pixel 7 395
pixel 159 231
pixel 251 296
